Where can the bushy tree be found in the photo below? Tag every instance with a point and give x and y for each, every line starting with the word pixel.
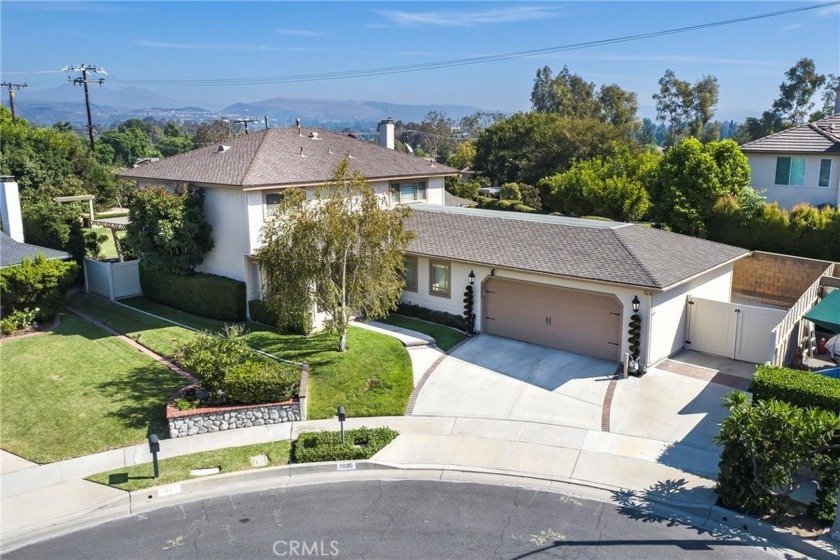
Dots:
pixel 128 145
pixel 342 252
pixel 174 145
pixel 510 191
pixel 167 230
pixel 613 187
pixel 463 155
pixel 802 81
pixel 48 224
pixel 764 445
pixel 691 178
pixel 210 357
pixel 687 109
pixel 526 147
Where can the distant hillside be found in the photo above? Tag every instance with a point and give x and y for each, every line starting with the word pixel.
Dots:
pixel 285 110
pixel 111 104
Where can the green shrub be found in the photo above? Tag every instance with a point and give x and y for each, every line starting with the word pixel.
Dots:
pixel 432 315
pixel 17 320
pixel 764 446
pixel 505 205
pixel 185 404
pixel 210 357
pixel 800 388
pixel 38 284
pixel 361 443
pixel 510 191
pixel 207 295
pixel 825 506
pixel 52 225
pixel 531 196
pixel 261 313
pixel 262 381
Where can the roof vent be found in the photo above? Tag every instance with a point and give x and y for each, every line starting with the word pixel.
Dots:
pixel 301 152
pixel 297 124
pixel 314 135
pixel 329 151
pixel 222 148
pixel 349 156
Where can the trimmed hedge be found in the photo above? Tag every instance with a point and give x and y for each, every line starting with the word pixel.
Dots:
pixel 36 284
pixel 262 382
pixel 800 388
pixel 505 205
pixel 207 295
pixel 440 317
pixel 361 443
pixel 260 312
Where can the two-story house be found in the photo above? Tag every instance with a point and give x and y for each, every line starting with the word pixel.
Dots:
pixel 800 164
pixel 563 282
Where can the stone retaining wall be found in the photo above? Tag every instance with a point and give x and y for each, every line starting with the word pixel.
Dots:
pixel 203 420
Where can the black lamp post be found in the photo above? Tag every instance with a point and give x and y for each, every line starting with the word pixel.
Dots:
pixel 636 303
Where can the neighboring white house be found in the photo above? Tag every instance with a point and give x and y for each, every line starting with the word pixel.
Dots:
pixel 561 282
pixel 800 164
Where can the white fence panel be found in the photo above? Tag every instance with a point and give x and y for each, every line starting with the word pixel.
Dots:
pixel 113 280
pixel 752 342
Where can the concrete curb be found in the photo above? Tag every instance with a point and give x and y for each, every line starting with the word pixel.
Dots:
pixel 149 499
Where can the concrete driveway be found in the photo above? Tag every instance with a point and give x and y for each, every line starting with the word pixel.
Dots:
pixel 493 377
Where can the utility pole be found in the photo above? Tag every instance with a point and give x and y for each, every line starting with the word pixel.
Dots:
pixel 247 120
pixel 12 88
pixel 84 69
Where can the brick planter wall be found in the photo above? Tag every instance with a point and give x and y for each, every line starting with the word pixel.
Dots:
pixel 215 419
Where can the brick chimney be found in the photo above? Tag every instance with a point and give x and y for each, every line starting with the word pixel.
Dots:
pixel 10 208
pixel 386 133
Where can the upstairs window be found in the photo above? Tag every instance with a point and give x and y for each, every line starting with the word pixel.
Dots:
pixel 790 171
pixel 825 172
pixel 410 274
pixel 273 202
pixel 408 192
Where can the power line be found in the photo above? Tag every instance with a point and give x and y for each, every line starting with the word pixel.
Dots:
pixel 12 87
pixel 84 69
pixel 464 61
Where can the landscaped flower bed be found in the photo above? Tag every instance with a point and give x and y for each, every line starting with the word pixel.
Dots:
pixel 360 443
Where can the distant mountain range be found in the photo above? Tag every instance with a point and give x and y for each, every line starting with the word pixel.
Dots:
pixel 64 103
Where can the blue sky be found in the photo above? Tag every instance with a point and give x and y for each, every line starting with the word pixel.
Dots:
pixel 198 40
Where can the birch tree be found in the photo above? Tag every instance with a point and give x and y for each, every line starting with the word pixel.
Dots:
pixel 341 252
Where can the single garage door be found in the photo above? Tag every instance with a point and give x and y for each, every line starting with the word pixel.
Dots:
pixel 572 320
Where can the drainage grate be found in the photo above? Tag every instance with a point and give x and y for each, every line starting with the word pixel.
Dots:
pixel 259 461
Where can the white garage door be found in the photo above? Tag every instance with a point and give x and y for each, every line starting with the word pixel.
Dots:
pixel 572 320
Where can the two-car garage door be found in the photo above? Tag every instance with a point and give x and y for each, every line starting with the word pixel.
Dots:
pixel 572 320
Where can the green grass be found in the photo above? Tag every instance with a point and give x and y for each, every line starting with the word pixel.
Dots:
pixel 76 391
pixel 177 469
pixel 372 378
pixel 109 250
pixel 446 337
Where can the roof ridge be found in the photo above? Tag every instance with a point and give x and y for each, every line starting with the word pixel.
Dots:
pixel 250 165
pixel 825 133
pixel 654 281
pixel 811 125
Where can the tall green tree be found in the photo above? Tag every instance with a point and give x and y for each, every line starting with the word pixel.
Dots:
pixel 128 145
pixel 705 95
pixel 526 147
pixel 802 81
pixel 342 252
pixel 691 178
pixel 618 106
pixel 687 109
pixel 167 230
pixel 566 94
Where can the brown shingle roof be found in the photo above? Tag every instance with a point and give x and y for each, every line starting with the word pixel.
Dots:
pixel 819 137
pixel 273 157
pixel 612 252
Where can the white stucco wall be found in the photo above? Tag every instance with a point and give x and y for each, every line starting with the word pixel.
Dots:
pixel 668 313
pixel 460 278
pixel 763 168
pixel 225 209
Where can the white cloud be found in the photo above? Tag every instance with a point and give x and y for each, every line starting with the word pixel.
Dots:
pixel 468 19
pixel 299 32
pixel 791 26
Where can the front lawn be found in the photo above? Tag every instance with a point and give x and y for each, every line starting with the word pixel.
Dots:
pixel 446 337
pixel 372 378
pixel 76 391
pixel 177 469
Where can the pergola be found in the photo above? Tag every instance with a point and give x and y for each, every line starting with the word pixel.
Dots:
pixel 78 198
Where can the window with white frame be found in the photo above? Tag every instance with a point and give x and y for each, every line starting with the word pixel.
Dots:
pixel 825 172
pixel 408 192
pixel 790 171
pixel 440 275
pixel 410 274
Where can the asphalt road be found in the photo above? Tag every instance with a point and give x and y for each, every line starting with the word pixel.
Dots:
pixel 395 520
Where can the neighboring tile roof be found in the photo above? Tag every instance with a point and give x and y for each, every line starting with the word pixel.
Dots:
pixel 450 199
pixel 612 252
pixel 12 252
pixel 819 137
pixel 273 157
